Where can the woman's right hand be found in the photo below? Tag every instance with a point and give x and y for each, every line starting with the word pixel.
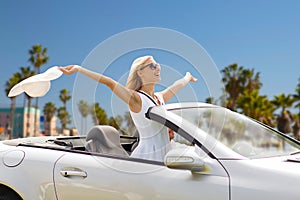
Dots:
pixel 70 69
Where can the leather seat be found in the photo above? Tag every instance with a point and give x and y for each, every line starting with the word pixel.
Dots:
pixel 106 140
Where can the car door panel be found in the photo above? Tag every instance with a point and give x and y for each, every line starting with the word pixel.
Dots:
pixel 92 177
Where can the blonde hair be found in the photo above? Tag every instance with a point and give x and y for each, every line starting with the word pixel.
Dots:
pixel 134 82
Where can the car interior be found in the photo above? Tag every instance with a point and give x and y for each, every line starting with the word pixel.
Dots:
pixel 102 139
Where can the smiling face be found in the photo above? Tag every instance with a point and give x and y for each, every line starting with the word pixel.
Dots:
pixel 149 72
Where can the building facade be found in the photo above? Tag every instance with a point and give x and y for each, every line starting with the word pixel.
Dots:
pixel 24 122
pixel 49 128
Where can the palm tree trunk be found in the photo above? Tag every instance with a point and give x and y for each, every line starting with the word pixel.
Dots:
pixel 35 116
pixel 28 117
pixel 24 101
pixel 85 126
pixel 81 129
pixel 47 127
pixel 36 109
pixel 12 116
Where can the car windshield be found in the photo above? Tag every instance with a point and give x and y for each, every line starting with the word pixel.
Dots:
pixel 238 132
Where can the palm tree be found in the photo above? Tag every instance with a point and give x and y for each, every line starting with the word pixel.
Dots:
pixel 84 109
pixel 282 101
pixel 256 106
pixel 63 114
pixel 64 117
pixel 99 115
pixel 16 78
pixel 284 119
pixel 131 130
pixel 296 126
pixel 112 122
pixel 38 57
pixel 119 120
pixel 297 97
pixel 49 112
pixel 209 100
pixel 64 96
pixel 26 72
pixel 237 80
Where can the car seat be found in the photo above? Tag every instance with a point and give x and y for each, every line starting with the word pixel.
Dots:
pixel 106 140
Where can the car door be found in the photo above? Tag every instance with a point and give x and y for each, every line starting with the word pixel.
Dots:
pixel 83 176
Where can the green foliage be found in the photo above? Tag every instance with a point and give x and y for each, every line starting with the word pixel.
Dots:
pixel 16 78
pixel 64 117
pixel 209 100
pixel 284 120
pixel 62 112
pixel 64 96
pixel 241 94
pixel 99 115
pixel 237 80
pixel 283 101
pixel 84 108
pixel 26 72
pixel 49 111
pixel 38 56
pixel 296 97
pixel 130 124
pixel 256 106
pixel 113 122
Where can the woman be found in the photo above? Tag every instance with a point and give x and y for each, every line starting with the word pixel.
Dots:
pixel 139 95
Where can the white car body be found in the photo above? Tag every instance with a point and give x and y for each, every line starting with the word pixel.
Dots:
pixel 47 168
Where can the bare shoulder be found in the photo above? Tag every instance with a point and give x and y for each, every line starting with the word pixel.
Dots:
pixel 135 102
pixel 164 94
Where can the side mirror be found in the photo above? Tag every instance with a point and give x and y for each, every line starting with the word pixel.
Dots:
pixel 184 159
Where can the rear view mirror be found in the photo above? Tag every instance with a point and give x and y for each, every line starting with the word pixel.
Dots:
pixel 184 159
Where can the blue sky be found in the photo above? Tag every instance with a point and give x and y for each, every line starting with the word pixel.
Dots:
pixel 263 35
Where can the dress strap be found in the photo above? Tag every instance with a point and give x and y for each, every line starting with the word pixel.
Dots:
pixel 149 97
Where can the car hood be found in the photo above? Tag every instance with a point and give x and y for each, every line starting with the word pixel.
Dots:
pixel 282 163
pixel 287 165
pixel 264 178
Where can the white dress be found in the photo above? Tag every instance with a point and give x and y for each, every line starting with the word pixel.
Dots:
pixel 154 140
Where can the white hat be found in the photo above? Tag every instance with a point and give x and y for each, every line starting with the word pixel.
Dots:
pixel 37 85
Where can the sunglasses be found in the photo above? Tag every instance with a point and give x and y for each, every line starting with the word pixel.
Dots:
pixel 153 66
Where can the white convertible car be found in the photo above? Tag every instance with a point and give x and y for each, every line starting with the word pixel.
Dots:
pixel 231 157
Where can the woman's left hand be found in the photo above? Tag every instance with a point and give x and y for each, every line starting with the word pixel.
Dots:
pixel 188 76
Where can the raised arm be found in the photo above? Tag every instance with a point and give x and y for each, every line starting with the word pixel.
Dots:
pixel 169 92
pixel 130 97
